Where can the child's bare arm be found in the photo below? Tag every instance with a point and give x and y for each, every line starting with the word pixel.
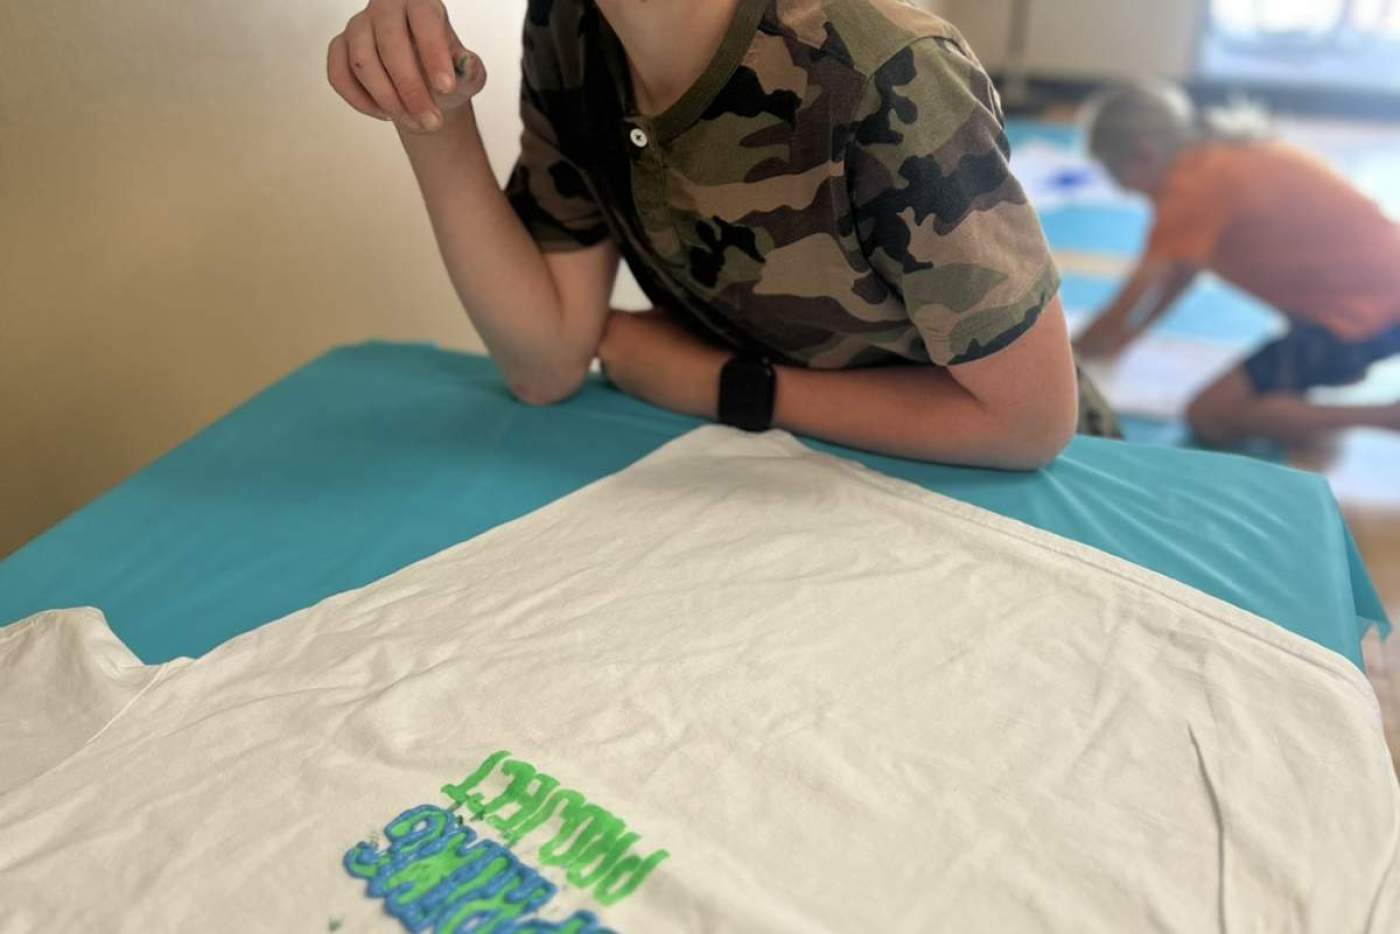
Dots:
pixel 1014 410
pixel 541 316
pixel 1153 288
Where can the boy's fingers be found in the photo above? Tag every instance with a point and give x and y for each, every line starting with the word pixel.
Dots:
pixel 368 70
pixel 401 61
pixel 344 82
pixel 428 23
pixel 455 45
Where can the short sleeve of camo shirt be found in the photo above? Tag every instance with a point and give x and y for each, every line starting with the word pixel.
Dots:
pixel 938 213
pixel 546 187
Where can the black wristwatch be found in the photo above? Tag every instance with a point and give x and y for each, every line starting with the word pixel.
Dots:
pixel 748 387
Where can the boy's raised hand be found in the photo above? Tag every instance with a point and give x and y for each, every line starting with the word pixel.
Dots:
pixel 401 60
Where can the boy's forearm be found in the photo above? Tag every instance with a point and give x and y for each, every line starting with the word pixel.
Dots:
pixel 499 272
pixel 1015 410
pixel 915 412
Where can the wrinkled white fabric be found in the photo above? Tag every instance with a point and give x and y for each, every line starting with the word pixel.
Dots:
pixel 63 676
pixel 744 687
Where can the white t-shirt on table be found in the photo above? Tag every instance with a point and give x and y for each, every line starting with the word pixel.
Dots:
pixel 740 686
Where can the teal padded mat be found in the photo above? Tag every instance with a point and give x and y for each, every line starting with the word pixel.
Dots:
pixel 375 456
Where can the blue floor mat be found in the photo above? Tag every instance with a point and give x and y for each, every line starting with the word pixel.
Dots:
pixel 1092 229
pixel 1065 135
pixel 1178 435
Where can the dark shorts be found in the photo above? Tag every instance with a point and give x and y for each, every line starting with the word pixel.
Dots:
pixel 1310 356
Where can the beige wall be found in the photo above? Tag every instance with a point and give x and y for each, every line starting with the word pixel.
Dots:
pixel 187 213
pixel 1087 38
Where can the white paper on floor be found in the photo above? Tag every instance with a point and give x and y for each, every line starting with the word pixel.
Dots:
pixel 1159 374
pixel 1057 177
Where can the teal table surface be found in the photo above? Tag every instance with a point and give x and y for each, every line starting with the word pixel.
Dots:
pixel 375 456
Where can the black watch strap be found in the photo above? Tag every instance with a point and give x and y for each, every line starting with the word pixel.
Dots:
pixel 748 388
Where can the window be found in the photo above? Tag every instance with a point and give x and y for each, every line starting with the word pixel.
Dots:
pixel 1252 20
pixel 1332 43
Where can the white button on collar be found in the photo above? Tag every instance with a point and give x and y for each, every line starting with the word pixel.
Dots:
pixel 639 137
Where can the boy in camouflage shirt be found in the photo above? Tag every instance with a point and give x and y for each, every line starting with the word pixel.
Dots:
pixel 819 183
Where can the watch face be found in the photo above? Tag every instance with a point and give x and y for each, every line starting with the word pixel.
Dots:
pixel 755 375
pixel 747 390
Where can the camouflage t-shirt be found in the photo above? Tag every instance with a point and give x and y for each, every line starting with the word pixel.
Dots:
pixel 834 190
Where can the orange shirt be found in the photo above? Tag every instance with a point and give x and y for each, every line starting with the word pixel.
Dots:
pixel 1283 226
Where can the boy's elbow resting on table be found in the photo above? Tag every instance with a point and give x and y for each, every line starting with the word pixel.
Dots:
pixel 1029 434
pixel 1038 443
pixel 922 413
pixel 544 389
pixel 538 396
pixel 1022 441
